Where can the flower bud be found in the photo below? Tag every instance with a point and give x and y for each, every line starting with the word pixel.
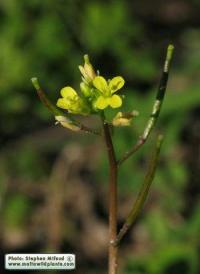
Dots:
pixel 85 89
pixel 87 70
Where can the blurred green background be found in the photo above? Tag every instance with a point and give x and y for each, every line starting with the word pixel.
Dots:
pixel 53 188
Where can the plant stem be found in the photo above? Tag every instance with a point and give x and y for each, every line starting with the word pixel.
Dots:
pixel 112 264
pixel 156 107
pixel 142 195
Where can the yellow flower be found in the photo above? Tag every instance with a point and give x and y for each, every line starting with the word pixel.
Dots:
pixel 66 123
pixel 107 89
pixel 72 102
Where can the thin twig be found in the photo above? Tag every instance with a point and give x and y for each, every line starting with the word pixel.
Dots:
pixel 142 195
pixel 112 265
pixel 57 112
pixel 156 107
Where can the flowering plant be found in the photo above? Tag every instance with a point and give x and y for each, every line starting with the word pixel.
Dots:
pixel 95 95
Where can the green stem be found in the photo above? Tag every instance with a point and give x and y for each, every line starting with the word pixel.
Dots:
pixel 44 99
pixel 156 107
pixel 142 195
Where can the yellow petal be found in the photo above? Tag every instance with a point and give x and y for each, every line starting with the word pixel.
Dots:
pixel 102 102
pixel 68 92
pixel 116 83
pixel 115 101
pixel 63 103
pixel 100 83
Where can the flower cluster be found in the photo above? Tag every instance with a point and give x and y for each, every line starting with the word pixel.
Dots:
pixel 96 93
